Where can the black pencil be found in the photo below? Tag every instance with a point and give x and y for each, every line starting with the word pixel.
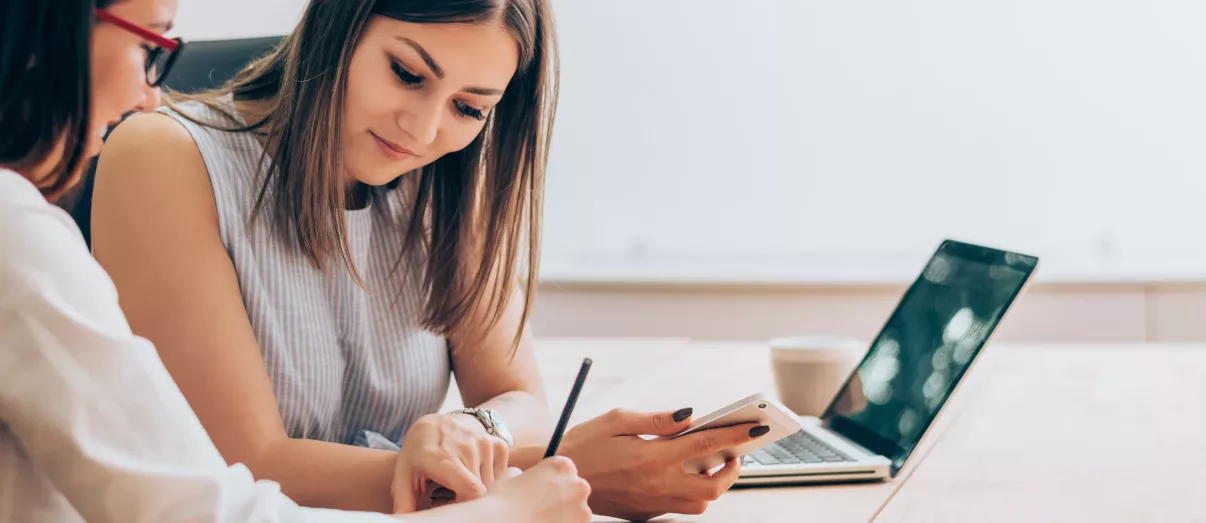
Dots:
pixel 568 410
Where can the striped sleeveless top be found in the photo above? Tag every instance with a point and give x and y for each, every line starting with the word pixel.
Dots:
pixel 348 364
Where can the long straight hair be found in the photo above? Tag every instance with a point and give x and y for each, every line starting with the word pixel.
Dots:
pixel 475 213
pixel 45 87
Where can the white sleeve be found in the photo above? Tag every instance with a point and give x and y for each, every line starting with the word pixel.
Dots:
pixel 93 406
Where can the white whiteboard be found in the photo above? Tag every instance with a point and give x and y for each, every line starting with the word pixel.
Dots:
pixel 841 140
pixel 222 19
pixel 836 138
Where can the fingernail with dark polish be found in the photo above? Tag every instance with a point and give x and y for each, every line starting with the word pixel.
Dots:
pixel 759 431
pixel 683 414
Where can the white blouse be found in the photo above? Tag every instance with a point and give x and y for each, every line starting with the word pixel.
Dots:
pixel 92 427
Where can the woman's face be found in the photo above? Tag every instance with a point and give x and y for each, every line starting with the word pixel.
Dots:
pixel 416 92
pixel 119 60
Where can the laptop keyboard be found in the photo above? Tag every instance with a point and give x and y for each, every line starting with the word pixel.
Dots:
pixel 797 448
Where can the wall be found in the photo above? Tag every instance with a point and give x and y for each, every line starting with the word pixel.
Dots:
pixel 1118 313
pixel 219 19
pixel 714 136
pixel 828 134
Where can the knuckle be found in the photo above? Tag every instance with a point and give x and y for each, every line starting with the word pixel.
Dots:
pixel 564 465
pixel 463 448
pixel 615 414
pixel 428 421
pixel 471 492
pixel 717 490
pixel 582 488
pixel 704 443
pixel 498 446
pixel 663 421
pixel 443 454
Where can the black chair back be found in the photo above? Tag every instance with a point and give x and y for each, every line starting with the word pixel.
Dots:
pixel 207 65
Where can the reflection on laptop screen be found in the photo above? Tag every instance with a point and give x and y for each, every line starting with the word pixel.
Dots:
pixel 926 346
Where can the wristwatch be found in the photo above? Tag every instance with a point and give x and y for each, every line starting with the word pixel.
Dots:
pixel 493 422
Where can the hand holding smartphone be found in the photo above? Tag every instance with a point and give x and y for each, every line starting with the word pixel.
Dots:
pixel 757 409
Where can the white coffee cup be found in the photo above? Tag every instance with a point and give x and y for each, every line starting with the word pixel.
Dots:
pixel 809 370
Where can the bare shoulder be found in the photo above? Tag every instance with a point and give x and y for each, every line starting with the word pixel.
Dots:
pixel 152 169
pixel 150 139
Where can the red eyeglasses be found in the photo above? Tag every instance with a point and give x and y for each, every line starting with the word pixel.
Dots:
pixel 160 58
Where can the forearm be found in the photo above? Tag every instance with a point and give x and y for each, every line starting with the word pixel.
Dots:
pixel 526 457
pixel 330 475
pixel 525 414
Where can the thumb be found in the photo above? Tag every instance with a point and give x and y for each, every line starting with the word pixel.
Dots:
pixel 667 423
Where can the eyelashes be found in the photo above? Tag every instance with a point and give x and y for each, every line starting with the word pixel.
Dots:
pixel 411 80
pixel 406 77
pixel 470 111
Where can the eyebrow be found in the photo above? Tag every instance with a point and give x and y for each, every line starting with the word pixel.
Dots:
pixel 435 68
pixel 483 91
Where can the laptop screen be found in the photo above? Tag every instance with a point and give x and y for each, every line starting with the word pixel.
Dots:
pixel 926 346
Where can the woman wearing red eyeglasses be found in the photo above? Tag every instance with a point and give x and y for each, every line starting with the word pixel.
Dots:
pixel 92 427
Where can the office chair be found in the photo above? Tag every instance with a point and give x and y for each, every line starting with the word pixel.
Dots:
pixel 202 65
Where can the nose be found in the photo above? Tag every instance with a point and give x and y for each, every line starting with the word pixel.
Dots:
pixel 421 121
pixel 149 101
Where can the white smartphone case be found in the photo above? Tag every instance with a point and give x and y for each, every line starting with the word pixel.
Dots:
pixel 753 409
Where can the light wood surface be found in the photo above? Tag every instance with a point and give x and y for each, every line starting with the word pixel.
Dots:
pixel 709 376
pixel 1037 433
pixel 671 373
pixel 1063 435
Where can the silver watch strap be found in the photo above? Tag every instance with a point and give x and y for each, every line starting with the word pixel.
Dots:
pixel 486 420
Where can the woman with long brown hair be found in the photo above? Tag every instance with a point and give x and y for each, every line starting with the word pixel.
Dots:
pixel 319 246
pixel 92 428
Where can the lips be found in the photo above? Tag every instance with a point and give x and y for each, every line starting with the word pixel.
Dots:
pixel 392 149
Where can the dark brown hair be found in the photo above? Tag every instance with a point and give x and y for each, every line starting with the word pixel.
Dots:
pixel 475 213
pixel 45 87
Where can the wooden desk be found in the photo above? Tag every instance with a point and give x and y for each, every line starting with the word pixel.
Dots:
pixel 674 374
pixel 1070 434
pixel 1059 433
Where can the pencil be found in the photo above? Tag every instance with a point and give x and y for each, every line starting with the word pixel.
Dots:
pixel 568 410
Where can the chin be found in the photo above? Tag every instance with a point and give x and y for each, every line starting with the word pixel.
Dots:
pixel 378 178
pixel 379 174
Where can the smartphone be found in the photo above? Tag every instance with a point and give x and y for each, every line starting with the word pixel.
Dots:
pixel 753 409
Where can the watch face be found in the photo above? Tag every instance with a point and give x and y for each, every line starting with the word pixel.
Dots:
pixel 500 428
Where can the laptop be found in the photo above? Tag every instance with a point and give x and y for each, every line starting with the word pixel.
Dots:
pixel 909 372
